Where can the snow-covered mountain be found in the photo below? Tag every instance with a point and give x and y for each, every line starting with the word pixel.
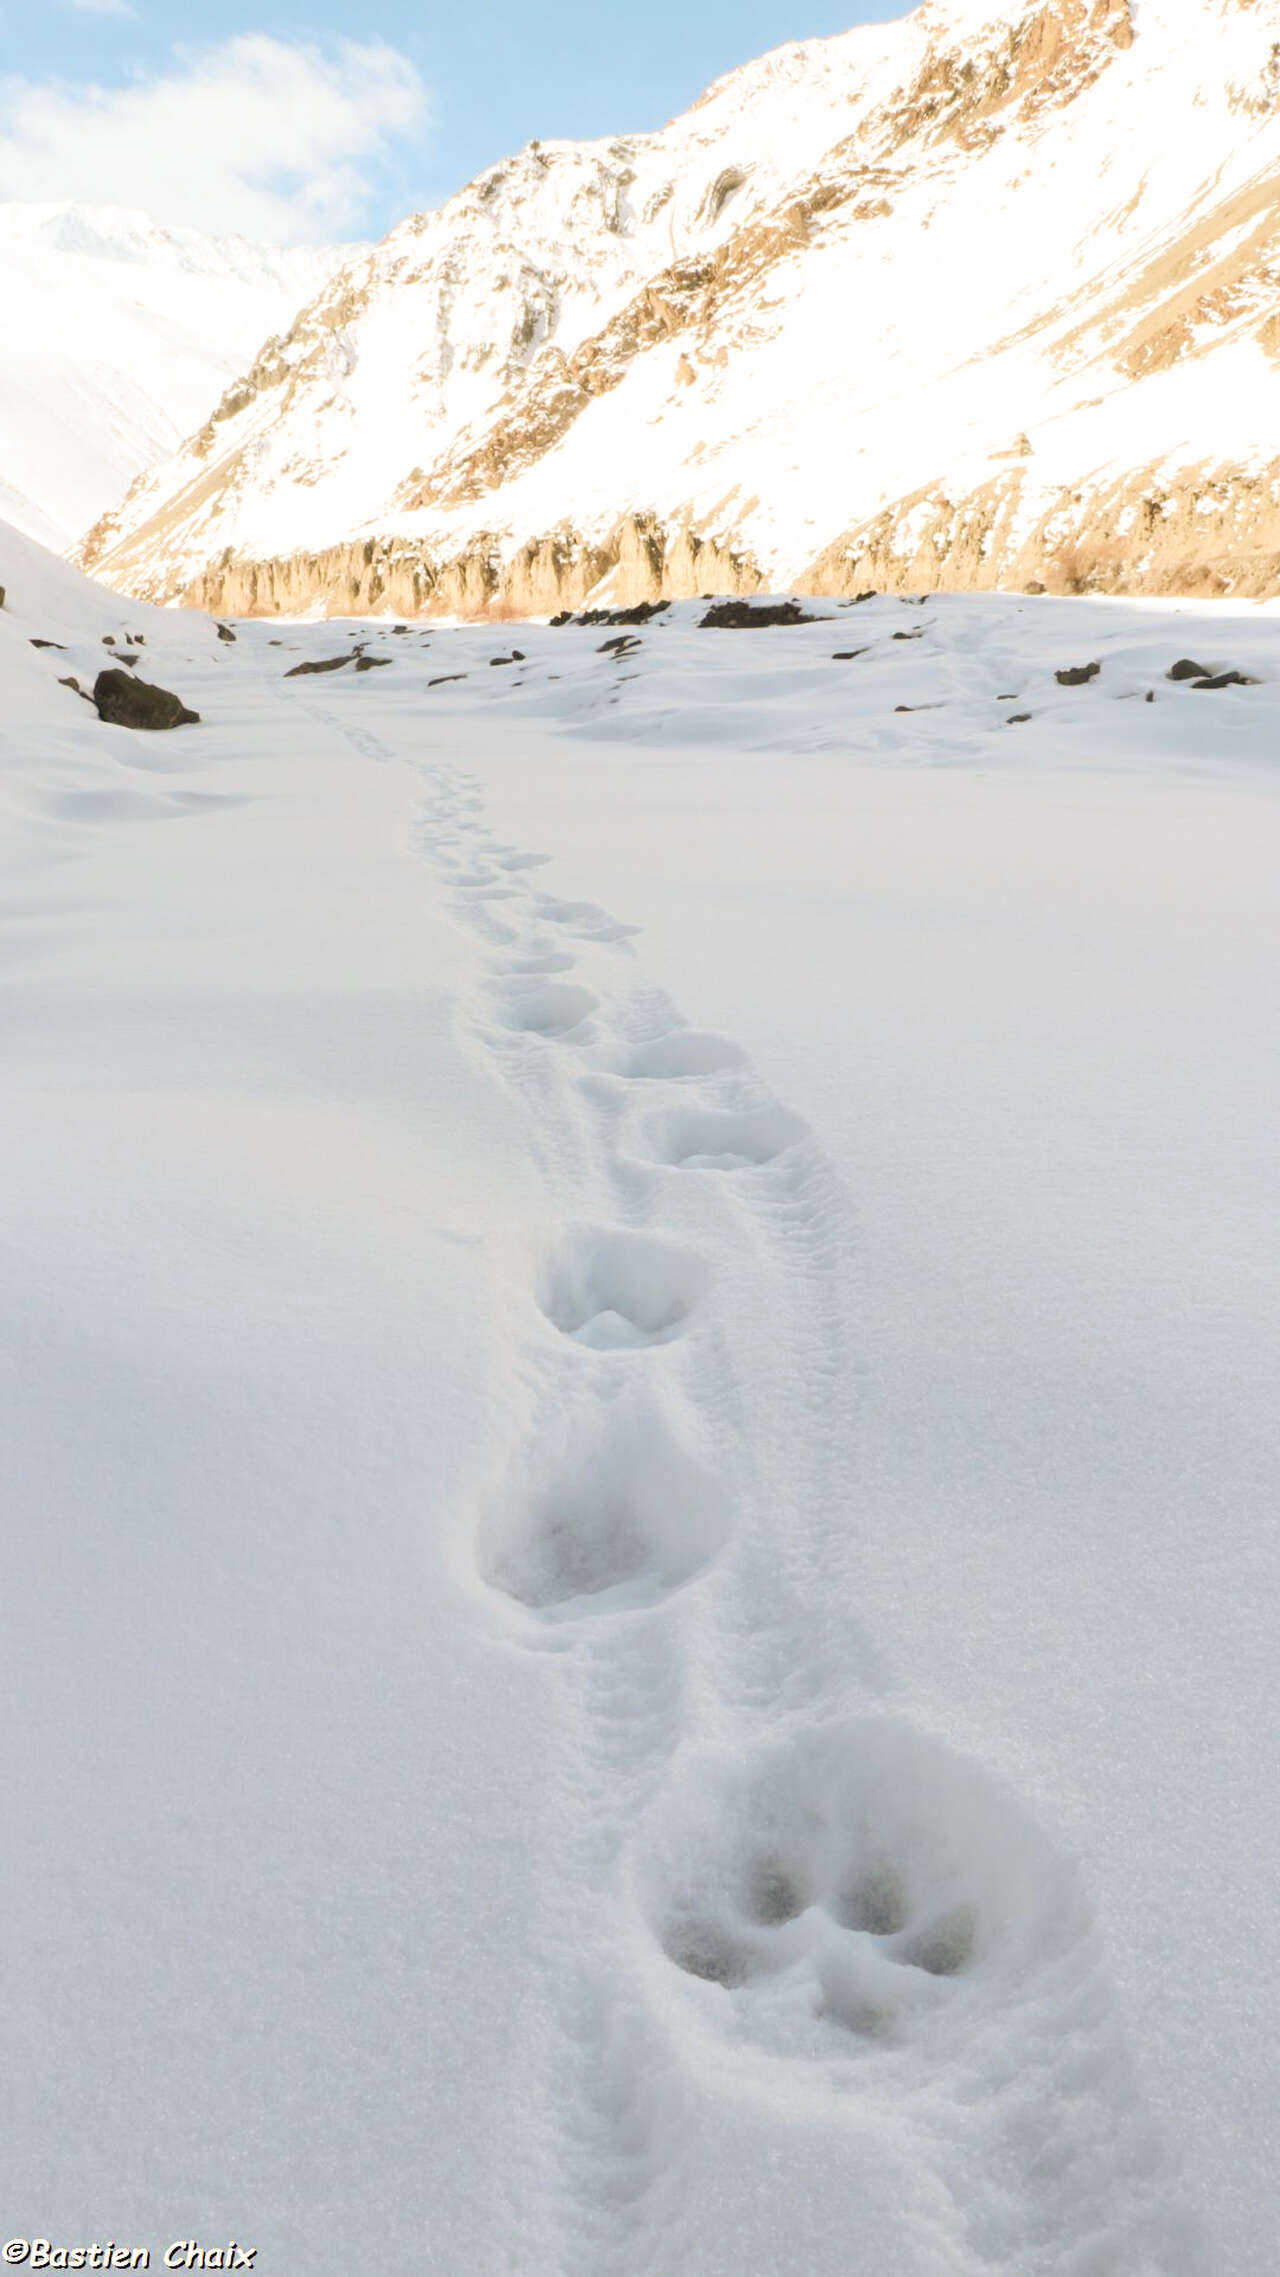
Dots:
pixel 986 296
pixel 117 335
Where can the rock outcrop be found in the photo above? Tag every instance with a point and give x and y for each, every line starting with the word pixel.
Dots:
pixel 125 701
pixel 638 560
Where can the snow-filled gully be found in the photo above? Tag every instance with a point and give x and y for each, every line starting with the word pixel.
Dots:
pixel 793 1951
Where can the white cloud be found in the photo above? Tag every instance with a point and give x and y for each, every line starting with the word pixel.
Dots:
pixel 275 139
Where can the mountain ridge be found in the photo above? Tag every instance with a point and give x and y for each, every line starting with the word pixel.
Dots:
pixel 118 330
pixel 950 301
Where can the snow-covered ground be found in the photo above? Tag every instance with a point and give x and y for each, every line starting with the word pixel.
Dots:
pixel 642 1443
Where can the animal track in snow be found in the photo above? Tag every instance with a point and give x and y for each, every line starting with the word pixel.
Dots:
pixel 536 1007
pixel 853 1888
pixel 613 1290
pixel 625 1517
pixel 704 1138
pixel 466 875
pixel 681 1054
pixel 470 889
pixel 584 919
pixel 536 959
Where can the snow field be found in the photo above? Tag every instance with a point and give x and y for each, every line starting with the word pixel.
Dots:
pixel 760 1894
pixel 445 1472
pixel 1020 977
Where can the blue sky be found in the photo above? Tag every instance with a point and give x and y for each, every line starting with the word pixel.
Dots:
pixel 328 119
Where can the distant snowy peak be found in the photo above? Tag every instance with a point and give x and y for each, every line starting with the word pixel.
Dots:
pixel 923 303
pixel 121 233
pixel 117 333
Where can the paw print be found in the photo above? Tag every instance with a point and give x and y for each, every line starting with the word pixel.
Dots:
pixel 847 1891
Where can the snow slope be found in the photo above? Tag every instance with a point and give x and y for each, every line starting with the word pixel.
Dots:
pixel 665 1630
pixel 57 625
pixel 986 296
pixel 118 336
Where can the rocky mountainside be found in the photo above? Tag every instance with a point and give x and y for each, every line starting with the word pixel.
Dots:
pixel 989 296
pixel 117 335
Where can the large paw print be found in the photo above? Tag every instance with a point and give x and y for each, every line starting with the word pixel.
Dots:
pixel 845 1891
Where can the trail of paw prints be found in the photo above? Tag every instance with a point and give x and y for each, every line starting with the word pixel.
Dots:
pixel 611 1518
pixel 849 1908
pixel 697 1138
pixel 683 1126
pixel 609 1543
pixel 675 1104
pixel 492 887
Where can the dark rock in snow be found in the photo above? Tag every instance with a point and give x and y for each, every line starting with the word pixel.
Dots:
pixel 320 664
pixel 1017 719
pixel 108 640
pixel 910 636
pixel 622 644
pixel 72 682
pixel 1184 669
pixel 1077 675
pixel 743 615
pixel 125 701
pixel 48 643
pixel 638 614
pixel 443 679
pixel 370 663
pixel 1226 680
pixel 225 633
pixel 846 655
